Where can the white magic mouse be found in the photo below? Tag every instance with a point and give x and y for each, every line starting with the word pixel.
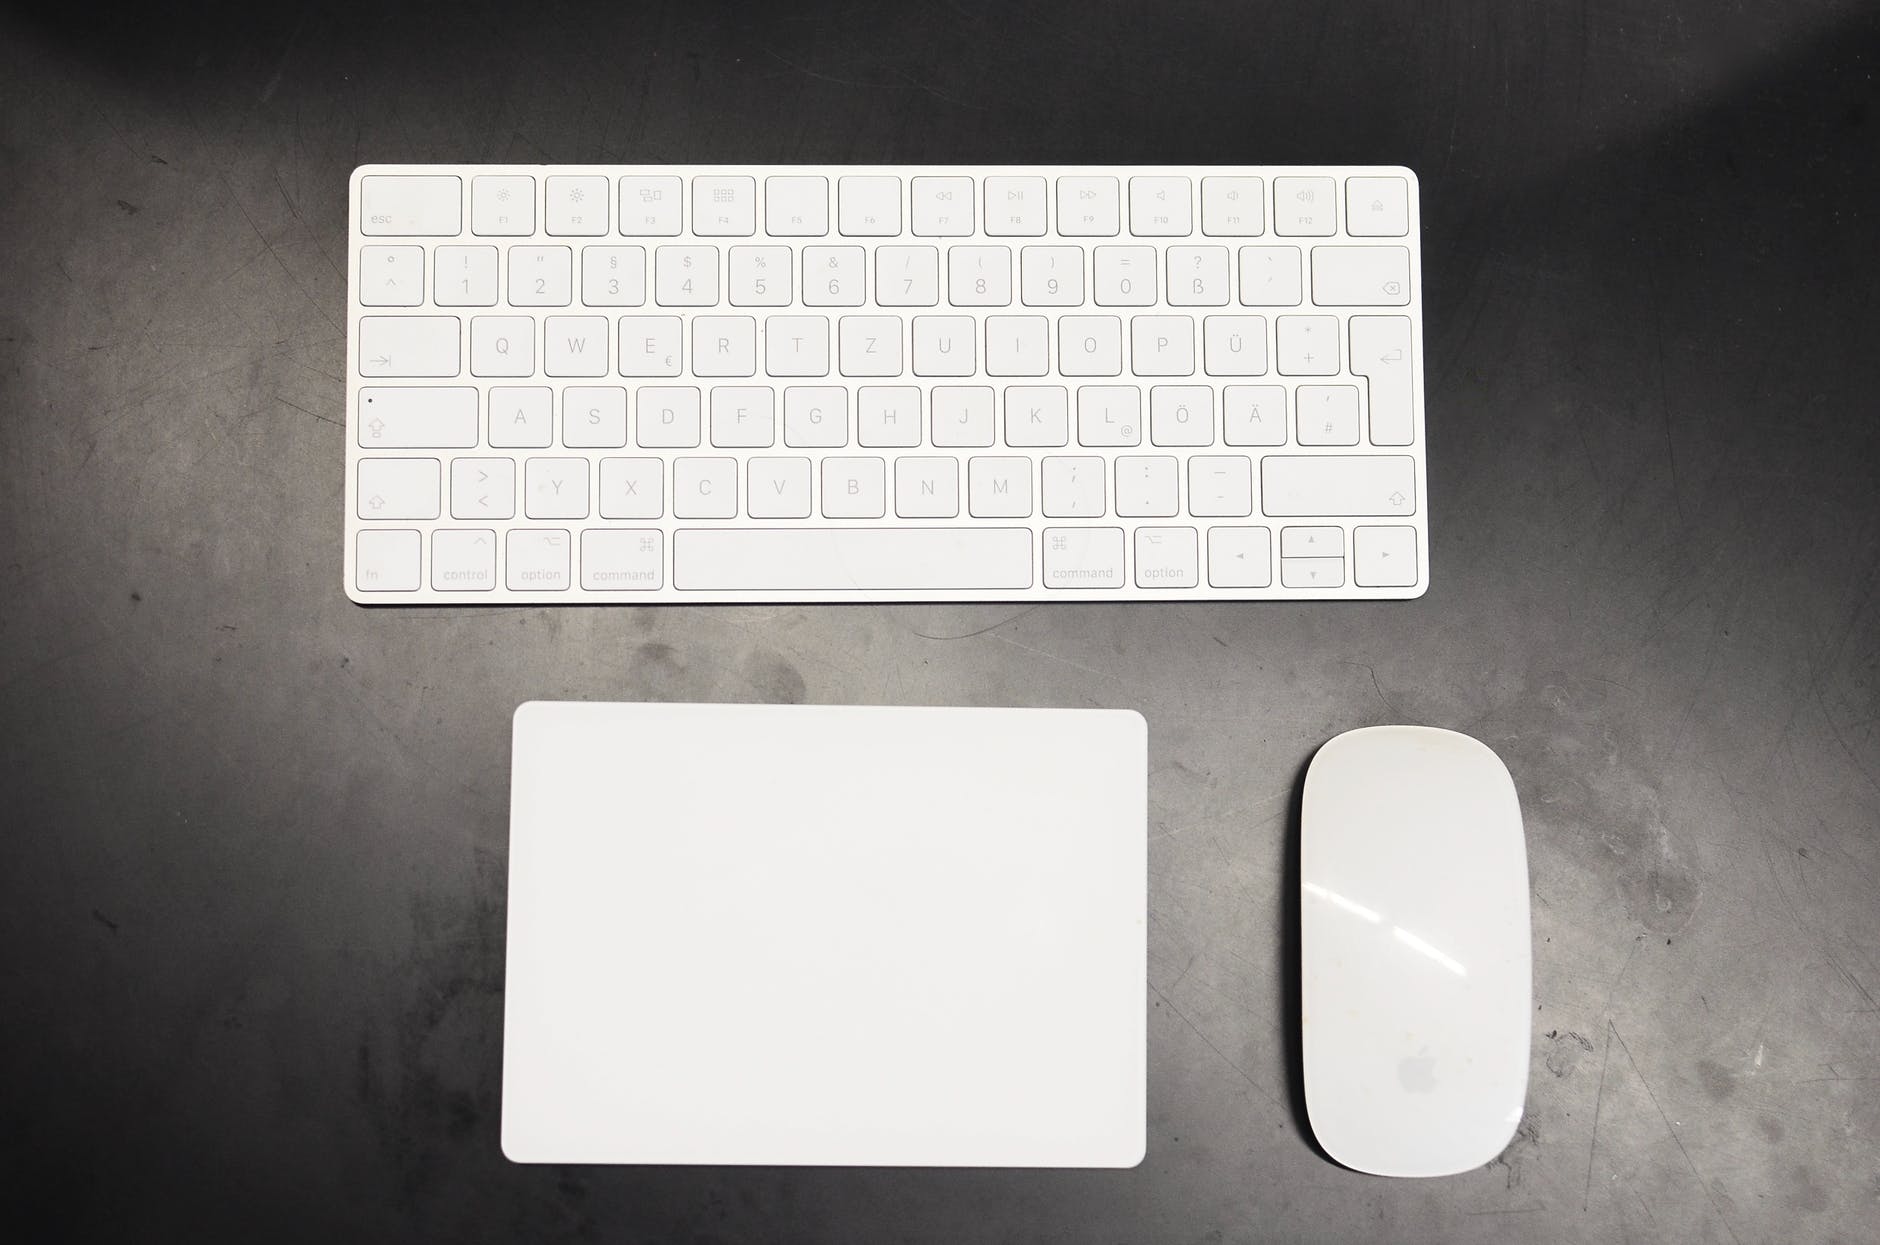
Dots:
pixel 1416 952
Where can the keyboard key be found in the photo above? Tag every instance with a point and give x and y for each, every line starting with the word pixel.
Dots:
pixel 1083 557
pixel 945 345
pixel 649 345
pixel 483 488
pixel 1377 207
pixel 631 488
pixel 1162 345
pixel 668 418
pixel 724 346
pixel 1051 276
pixel 942 206
pixel 1270 276
pixel 868 207
pixel 778 488
pixel 406 205
pixel 1147 486
pixel 464 276
pixel 1037 416
pixel 1160 207
pixel 834 559
pixel 463 560
pixel 979 276
pixel 1312 572
pixel 963 417
pixel 855 488
pixel 415 417
pixel 796 346
pixel 927 488
pixel 796 207
pixel 705 488
pixel 1125 276
pixel 744 417
pixel 613 276
pixel 1072 487
pixel 1167 557
pixel 888 416
pixel 386 561
pixel 1360 276
pixel 575 345
pixel 907 276
pixel 760 276
pixel 1305 206
pixel 1384 557
pixel 1328 414
pixel 409 345
pixel 399 488
pixel 685 276
pixel 1109 415
pixel 1220 486
pixel 1198 276
pixel 999 488
pixel 1308 345
pixel 1312 542
pixel 1253 415
pixel 834 276
pixel 650 207
pixel 594 417
pixel 1089 207
pixel 502 346
pixel 623 559
pixel 538 560
pixel 391 276
pixel 577 206
pixel 522 417
pixel 555 488
pixel 1233 207
pixel 541 276
pixel 1380 352
pixel 1240 557
pixel 1233 345
pixel 1090 346
pixel 869 346
pixel 1181 415
pixel 1332 485
pixel 815 417
pixel 1016 207
pixel 724 207
pixel 1018 345
pixel 502 206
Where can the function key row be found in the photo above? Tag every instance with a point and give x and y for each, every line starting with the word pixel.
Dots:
pixel 881 206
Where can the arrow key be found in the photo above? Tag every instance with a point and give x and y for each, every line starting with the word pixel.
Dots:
pixel 1240 557
pixel 483 488
pixel 1312 573
pixel 1385 557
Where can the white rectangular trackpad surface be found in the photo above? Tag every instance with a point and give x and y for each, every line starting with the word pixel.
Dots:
pixel 785 934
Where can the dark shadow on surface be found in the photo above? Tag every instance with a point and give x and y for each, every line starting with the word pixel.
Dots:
pixel 1287 939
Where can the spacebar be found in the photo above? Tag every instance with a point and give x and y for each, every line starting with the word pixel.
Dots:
pixel 832 559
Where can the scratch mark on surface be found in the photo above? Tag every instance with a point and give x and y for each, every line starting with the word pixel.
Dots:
pixel 1586 1194
pixel 325 419
pixel 104 920
pixel 1372 671
pixel 1709 1195
pixel 1181 1016
pixel 981 631
pixel 1062 661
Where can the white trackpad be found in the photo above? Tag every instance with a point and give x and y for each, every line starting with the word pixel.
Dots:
pixel 826 935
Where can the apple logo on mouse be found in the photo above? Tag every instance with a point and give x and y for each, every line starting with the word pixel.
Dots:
pixel 1417 1073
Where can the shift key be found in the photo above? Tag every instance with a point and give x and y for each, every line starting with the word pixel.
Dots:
pixel 1330 485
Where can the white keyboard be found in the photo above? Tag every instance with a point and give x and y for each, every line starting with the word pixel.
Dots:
pixel 742 384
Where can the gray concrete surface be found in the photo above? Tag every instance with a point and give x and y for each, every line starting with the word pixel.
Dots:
pixel 252 895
